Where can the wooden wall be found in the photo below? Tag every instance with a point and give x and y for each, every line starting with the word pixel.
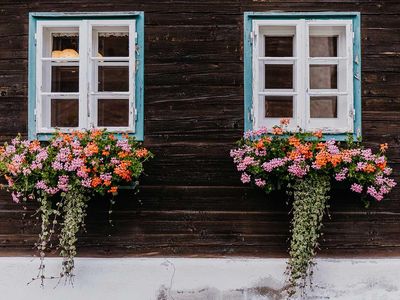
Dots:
pixel 191 201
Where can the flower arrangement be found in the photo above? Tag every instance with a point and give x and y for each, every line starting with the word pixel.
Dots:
pixel 63 174
pixel 304 164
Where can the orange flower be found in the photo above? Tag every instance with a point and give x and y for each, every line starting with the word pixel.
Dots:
pixel 294 141
pixel 96 181
pixel 85 169
pixel 321 146
pixel 336 159
pixel 91 149
pixel 285 121
pixel 67 138
pixel 383 147
pixel 382 165
pixel 267 139
pixel 107 182
pixel 123 154
pixel 106 153
pixel 369 168
pixel 259 145
pixel 111 137
pixel 95 133
pixel 142 152
pixel 113 189
pixel 277 130
pixel 318 134
pixel 122 170
pixel 322 158
pixel 33 146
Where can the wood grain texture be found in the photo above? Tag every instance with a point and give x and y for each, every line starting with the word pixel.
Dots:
pixel 191 202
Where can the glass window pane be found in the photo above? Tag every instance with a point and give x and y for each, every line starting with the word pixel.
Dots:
pixel 113 112
pixel 113 44
pixel 323 46
pixel 278 76
pixel 323 76
pixel 65 45
pixel 278 107
pixel 113 78
pixel 64 112
pixel 64 79
pixel 323 107
pixel 279 46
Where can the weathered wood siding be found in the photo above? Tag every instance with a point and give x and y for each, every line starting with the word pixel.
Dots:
pixel 191 200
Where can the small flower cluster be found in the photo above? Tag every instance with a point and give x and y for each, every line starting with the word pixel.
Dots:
pixel 93 159
pixel 266 157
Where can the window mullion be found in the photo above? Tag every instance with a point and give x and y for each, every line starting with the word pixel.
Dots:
pixel 84 111
pixel 302 75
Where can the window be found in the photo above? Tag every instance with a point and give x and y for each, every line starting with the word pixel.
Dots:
pixel 305 67
pixel 86 70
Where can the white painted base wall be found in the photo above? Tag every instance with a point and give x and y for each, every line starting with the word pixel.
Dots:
pixel 198 278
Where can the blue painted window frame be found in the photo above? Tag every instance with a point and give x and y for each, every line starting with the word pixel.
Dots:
pixel 248 65
pixel 137 16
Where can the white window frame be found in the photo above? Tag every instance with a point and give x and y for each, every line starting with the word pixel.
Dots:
pixel 301 61
pixel 88 93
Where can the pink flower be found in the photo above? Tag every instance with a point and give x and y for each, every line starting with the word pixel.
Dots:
pixel 245 178
pixel 16 196
pixel 246 162
pixel 260 182
pixel 124 145
pixel 106 176
pixel 87 182
pixel 342 174
pixel 41 185
pixel 273 163
pixel 63 183
pixel 355 187
pixel 374 193
pixel 387 171
pixel 298 170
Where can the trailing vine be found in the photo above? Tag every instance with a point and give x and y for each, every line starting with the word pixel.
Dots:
pixel 310 198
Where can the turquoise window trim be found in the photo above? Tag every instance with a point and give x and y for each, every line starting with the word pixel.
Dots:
pixel 137 16
pixel 248 66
